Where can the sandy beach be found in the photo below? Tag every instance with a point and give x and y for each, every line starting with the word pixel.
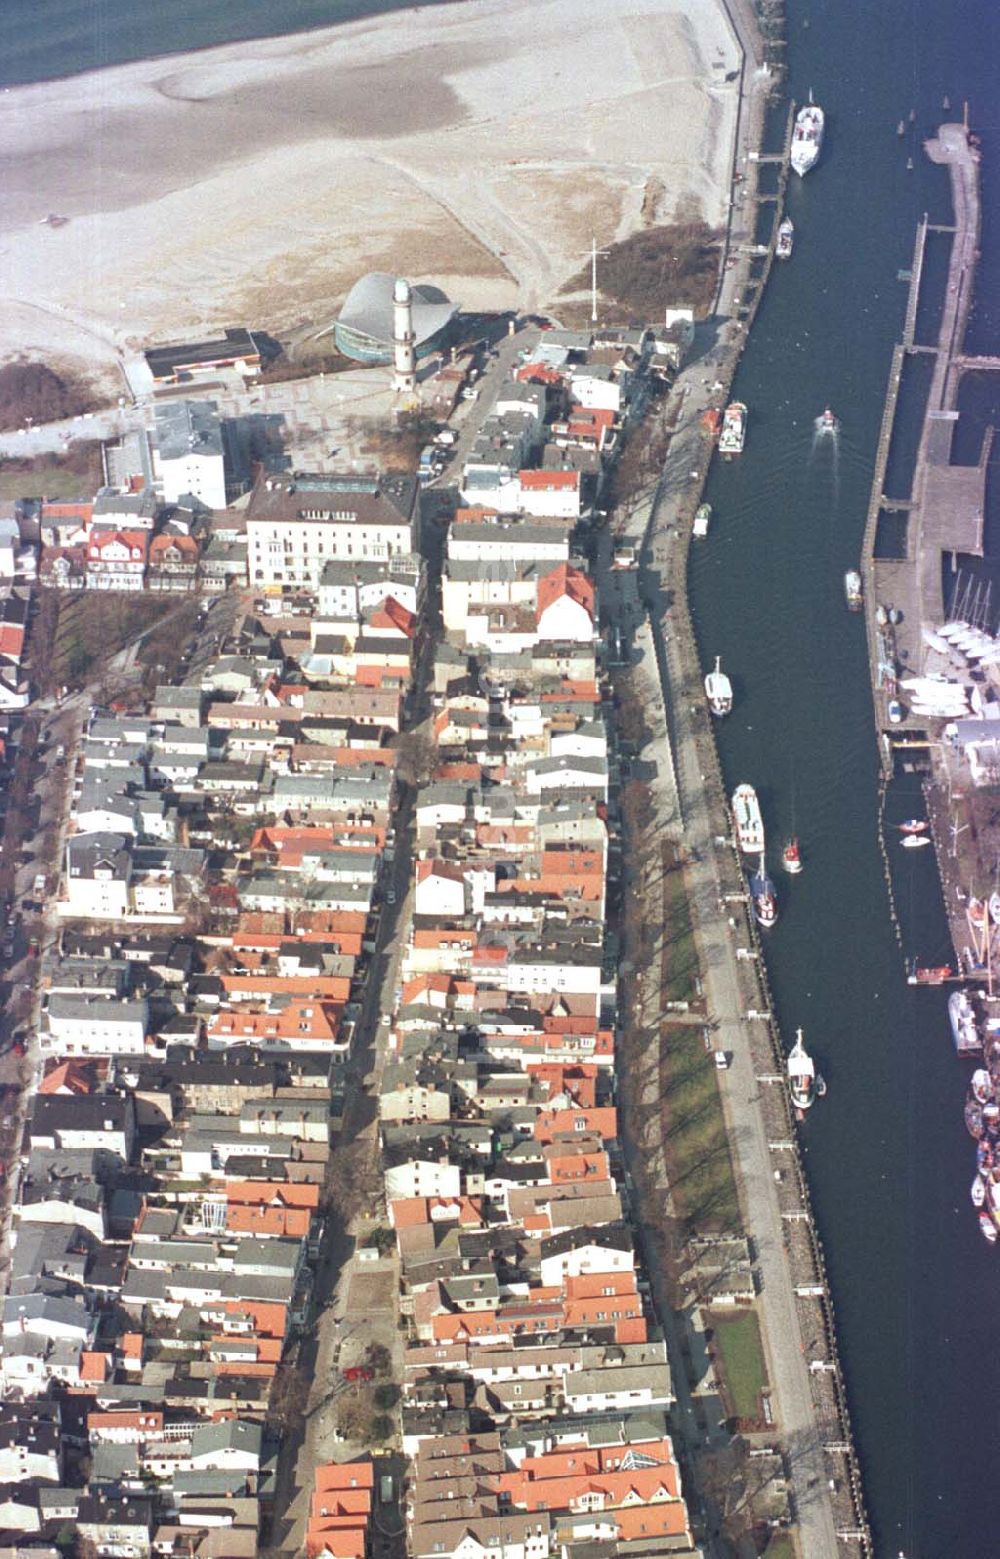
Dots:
pixel 477 146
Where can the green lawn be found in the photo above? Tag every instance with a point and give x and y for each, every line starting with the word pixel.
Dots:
pixel 680 958
pixel 741 1357
pixel 700 1168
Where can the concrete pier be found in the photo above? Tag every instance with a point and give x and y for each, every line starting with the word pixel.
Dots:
pixel 946 507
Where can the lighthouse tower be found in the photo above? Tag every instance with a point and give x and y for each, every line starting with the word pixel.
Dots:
pixel 404 356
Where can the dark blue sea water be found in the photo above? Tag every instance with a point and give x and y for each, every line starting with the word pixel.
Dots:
pixel 917 1291
pixel 40 39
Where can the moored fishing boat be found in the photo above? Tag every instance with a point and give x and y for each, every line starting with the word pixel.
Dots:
pixel 765 900
pixel 987 1228
pixel 719 690
pixel 786 238
pixel 801 1075
pixel 853 590
pixel 748 821
pixel 702 517
pixel 978 1192
pixel 791 857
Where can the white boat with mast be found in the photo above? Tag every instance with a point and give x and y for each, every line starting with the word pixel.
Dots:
pixel 719 690
pixel 807 137
pixel 804 1083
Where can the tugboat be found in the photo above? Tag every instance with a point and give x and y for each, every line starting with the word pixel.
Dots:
pixel 719 690
pixel 749 824
pixel 765 900
pixel 803 1084
pixel 786 238
pixel 853 590
pixel 791 857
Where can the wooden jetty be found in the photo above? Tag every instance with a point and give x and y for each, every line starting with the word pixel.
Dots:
pixel 945 510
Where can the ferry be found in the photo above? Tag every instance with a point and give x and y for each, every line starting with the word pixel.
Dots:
pixel 734 429
pixel 962 1018
pixel 719 690
pixel 804 1085
pixel 791 857
pixel 702 517
pixel 749 824
pixel 786 238
pixel 853 590
pixel 807 137
pixel 765 900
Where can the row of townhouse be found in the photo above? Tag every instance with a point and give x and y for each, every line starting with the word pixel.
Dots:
pixel 541 453
pixel 536 1386
pixel 169 1205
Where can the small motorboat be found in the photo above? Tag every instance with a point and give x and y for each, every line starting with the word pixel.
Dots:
pixel 914 841
pixel 791 857
pixel 984 1156
pixel 982 1085
pixel 987 1228
pixel 826 422
pixel 973 1115
pixel 978 1192
pixel 932 976
pixel 901 127
pixel 820 1086
pixel 914 825
pixel 896 712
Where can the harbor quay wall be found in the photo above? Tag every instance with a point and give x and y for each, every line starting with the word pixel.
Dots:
pixel 803 1246
pixel 944 514
pixel 664 559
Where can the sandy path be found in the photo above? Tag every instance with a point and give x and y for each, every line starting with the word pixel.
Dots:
pixel 479 146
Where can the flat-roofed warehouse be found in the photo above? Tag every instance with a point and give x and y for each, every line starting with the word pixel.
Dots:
pixel 239 349
pixel 365 327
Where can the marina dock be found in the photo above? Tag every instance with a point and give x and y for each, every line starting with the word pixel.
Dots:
pixel 944 512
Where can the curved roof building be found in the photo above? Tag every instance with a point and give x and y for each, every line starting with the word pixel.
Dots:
pixel 364 329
